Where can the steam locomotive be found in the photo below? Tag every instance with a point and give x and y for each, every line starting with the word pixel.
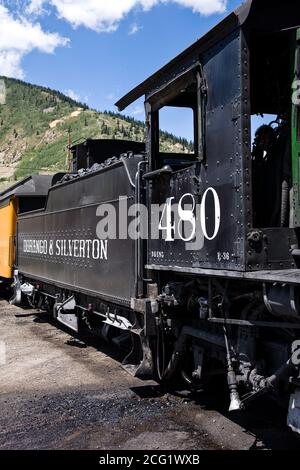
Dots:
pixel 210 286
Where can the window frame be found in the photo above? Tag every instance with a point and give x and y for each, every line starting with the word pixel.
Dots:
pixel 162 97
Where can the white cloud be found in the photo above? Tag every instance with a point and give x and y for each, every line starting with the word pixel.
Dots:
pixel 21 33
pixel 19 37
pixel 99 15
pixel 71 94
pixel 104 15
pixel 10 64
pixel 134 28
pixel 205 7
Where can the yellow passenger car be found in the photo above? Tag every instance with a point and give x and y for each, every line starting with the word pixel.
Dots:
pixel 26 195
pixel 8 223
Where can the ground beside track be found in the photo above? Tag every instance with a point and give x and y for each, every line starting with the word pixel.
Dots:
pixel 61 392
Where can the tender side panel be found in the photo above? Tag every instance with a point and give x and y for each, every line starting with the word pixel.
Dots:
pixel 63 246
pixel 8 217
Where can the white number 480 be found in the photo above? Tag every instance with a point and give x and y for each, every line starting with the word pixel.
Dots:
pixel 187 217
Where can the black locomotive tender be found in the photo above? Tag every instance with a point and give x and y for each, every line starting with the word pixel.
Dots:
pixel 230 305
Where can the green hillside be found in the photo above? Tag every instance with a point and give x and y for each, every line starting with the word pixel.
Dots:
pixel 35 123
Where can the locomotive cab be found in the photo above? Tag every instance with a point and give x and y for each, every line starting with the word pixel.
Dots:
pixel 271 77
pixel 243 194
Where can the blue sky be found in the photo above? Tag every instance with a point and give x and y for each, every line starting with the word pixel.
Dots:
pixel 97 50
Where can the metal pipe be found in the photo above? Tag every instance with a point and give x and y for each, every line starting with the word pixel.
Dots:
pixel 235 401
pixel 127 172
pixel 139 261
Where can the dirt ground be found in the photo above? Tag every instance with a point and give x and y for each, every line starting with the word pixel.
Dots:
pixel 59 391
